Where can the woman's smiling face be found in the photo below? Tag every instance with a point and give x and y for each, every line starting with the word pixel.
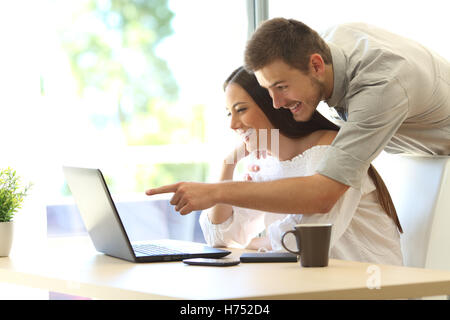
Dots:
pixel 247 118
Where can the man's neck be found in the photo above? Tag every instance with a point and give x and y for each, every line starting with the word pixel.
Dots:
pixel 329 81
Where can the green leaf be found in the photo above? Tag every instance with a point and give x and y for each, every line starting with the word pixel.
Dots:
pixel 11 194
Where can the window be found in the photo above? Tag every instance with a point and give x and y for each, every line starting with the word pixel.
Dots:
pixel 131 87
pixel 423 21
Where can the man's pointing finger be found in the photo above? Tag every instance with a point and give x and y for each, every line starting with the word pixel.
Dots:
pixel 164 189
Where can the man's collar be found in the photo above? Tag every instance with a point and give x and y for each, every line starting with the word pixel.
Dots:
pixel 339 75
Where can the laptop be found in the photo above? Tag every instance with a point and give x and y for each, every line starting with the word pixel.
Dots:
pixel 106 230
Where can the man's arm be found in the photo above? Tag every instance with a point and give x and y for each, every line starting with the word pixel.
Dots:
pixel 306 195
pixel 375 113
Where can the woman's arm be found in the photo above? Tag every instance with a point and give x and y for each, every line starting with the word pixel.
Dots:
pixel 223 225
pixel 222 212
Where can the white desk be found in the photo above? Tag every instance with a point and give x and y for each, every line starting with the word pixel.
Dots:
pixel 72 266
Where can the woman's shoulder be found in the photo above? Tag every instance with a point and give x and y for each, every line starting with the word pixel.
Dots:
pixel 323 137
pixel 318 144
pixel 312 155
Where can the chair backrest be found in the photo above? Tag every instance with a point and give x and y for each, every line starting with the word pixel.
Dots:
pixel 420 189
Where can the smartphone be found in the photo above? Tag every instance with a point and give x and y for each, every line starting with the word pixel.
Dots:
pixel 223 262
pixel 268 257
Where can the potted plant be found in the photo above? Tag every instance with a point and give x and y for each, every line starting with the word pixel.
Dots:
pixel 11 199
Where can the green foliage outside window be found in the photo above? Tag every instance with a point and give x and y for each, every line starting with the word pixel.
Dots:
pixel 111 48
pixel 168 173
pixel 157 175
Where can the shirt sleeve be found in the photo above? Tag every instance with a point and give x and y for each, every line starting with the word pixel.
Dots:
pixel 237 231
pixel 376 109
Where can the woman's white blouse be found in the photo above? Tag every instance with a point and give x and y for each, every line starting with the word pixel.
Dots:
pixel 361 231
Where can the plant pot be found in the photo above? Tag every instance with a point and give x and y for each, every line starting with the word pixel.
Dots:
pixel 6 237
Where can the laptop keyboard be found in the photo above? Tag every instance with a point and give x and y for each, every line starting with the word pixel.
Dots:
pixel 154 250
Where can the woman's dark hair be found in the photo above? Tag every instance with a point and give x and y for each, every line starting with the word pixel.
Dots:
pixel 282 119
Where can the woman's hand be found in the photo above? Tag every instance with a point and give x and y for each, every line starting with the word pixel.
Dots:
pixel 251 168
pixel 260 243
pixel 254 167
pixel 236 155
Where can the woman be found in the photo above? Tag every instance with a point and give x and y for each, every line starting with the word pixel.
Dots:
pixel 365 223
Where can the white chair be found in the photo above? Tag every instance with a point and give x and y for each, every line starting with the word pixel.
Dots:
pixel 420 189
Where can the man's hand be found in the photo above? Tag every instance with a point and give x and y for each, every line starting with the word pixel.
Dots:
pixel 189 196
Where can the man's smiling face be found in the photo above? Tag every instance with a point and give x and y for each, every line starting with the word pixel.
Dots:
pixel 291 88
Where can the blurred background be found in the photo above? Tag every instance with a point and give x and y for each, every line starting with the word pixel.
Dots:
pixel 134 87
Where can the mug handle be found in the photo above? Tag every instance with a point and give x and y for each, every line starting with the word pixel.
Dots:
pixel 284 246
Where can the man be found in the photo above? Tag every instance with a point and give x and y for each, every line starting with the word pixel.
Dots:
pixel 393 94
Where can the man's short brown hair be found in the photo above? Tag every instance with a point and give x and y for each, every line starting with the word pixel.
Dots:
pixel 287 39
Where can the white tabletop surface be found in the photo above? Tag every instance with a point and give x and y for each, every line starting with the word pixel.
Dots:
pixel 73 266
